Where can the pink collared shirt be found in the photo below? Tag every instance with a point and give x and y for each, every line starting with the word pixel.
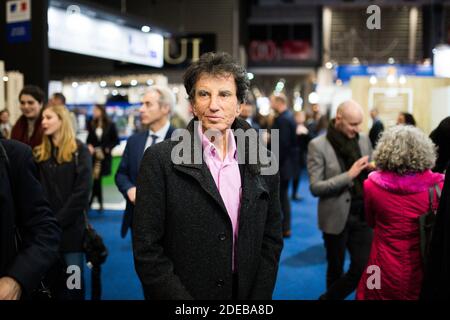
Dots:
pixel 227 177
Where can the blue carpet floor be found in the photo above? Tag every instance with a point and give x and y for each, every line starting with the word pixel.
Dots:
pixel 302 269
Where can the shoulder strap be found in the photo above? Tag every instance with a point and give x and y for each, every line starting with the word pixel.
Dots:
pixel 431 195
pixel 438 191
pixel 76 160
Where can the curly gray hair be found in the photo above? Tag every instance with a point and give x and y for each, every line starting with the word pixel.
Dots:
pixel 404 149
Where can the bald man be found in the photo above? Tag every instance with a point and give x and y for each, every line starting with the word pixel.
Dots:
pixel 338 164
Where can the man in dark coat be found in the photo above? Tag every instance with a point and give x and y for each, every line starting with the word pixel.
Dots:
pixel 285 123
pixel 436 283
pixel 22 203
pixel 208 227
pixel 157 105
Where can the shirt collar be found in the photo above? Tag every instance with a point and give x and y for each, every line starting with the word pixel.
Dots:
pixel 161 133
pixel 210 149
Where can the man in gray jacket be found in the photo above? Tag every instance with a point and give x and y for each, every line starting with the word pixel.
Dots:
pixel 338 164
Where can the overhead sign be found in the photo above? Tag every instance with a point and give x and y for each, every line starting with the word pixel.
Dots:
pixel 18 21
pixel 73 31
pixel 182 49
pixel 441 61
pixel 18 11
pixel 345 72
pixel 283 44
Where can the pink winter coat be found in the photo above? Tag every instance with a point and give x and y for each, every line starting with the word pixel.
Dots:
pixel 393 204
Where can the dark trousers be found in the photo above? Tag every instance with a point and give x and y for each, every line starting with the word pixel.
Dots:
pixel 296 183
pixel 357 238
pixel 97 192
pixel 285 205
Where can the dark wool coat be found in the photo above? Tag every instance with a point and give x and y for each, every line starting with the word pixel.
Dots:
pixel 127 172
pixel 436 283
pixel 108 141
pixel 288 144
pixel 22 203
pixel 182 234
pixel 67 188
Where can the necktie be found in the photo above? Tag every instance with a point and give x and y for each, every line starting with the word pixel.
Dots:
pixel 151 140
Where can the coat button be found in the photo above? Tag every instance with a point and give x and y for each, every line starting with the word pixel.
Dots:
pixel 220 283
pixel 222 236
pixel 347 200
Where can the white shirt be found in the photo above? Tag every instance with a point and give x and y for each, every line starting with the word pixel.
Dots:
pixel 161 134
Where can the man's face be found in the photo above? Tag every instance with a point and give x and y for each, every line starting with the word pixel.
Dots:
pixel 349 123
pixel 56 101
pixel 401 119
pixel 247 111
pixel 274 103
pixel 29 106
pixel 4 117
pixel 151 111
pixel 215 102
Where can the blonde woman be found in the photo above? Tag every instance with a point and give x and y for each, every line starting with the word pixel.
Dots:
pixel 65 173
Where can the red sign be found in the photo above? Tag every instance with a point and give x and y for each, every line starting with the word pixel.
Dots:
pixel 290 50
pixel 262 50
pixel 296 50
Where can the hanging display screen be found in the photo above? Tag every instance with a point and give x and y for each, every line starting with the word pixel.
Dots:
pixel 79 33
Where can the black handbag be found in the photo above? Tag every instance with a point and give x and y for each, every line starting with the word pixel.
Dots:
pixel 93 245
pixel 426 224
pixel 94 249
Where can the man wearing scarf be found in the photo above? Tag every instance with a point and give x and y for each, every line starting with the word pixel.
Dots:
pixel 338 164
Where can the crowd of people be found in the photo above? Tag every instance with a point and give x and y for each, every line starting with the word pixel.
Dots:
pixel 231 216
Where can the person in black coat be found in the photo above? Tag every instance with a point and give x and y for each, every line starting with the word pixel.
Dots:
pixel 377 127
pixel 288 149
pixel 436 281
pixel 157 105
pixel 65 173
pixel 303 138
pixel 102 138
pixel 188 240
pixel 441 138
pixel 22 204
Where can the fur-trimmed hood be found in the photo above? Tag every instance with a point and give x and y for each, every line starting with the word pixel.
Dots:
pixel 406 184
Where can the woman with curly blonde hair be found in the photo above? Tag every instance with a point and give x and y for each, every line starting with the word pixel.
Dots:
pixel 65 173
pixel 395 196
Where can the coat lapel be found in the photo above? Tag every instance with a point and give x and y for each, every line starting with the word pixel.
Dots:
pixel 201 173
pixel 252 188
pixel 140 146
pixel 251 182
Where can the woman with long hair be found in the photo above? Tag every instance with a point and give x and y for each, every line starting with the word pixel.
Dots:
pixel 102 138
pixel 28 128
pixel 65 173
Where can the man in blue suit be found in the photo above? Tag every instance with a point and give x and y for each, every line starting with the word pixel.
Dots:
pixel 157 105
